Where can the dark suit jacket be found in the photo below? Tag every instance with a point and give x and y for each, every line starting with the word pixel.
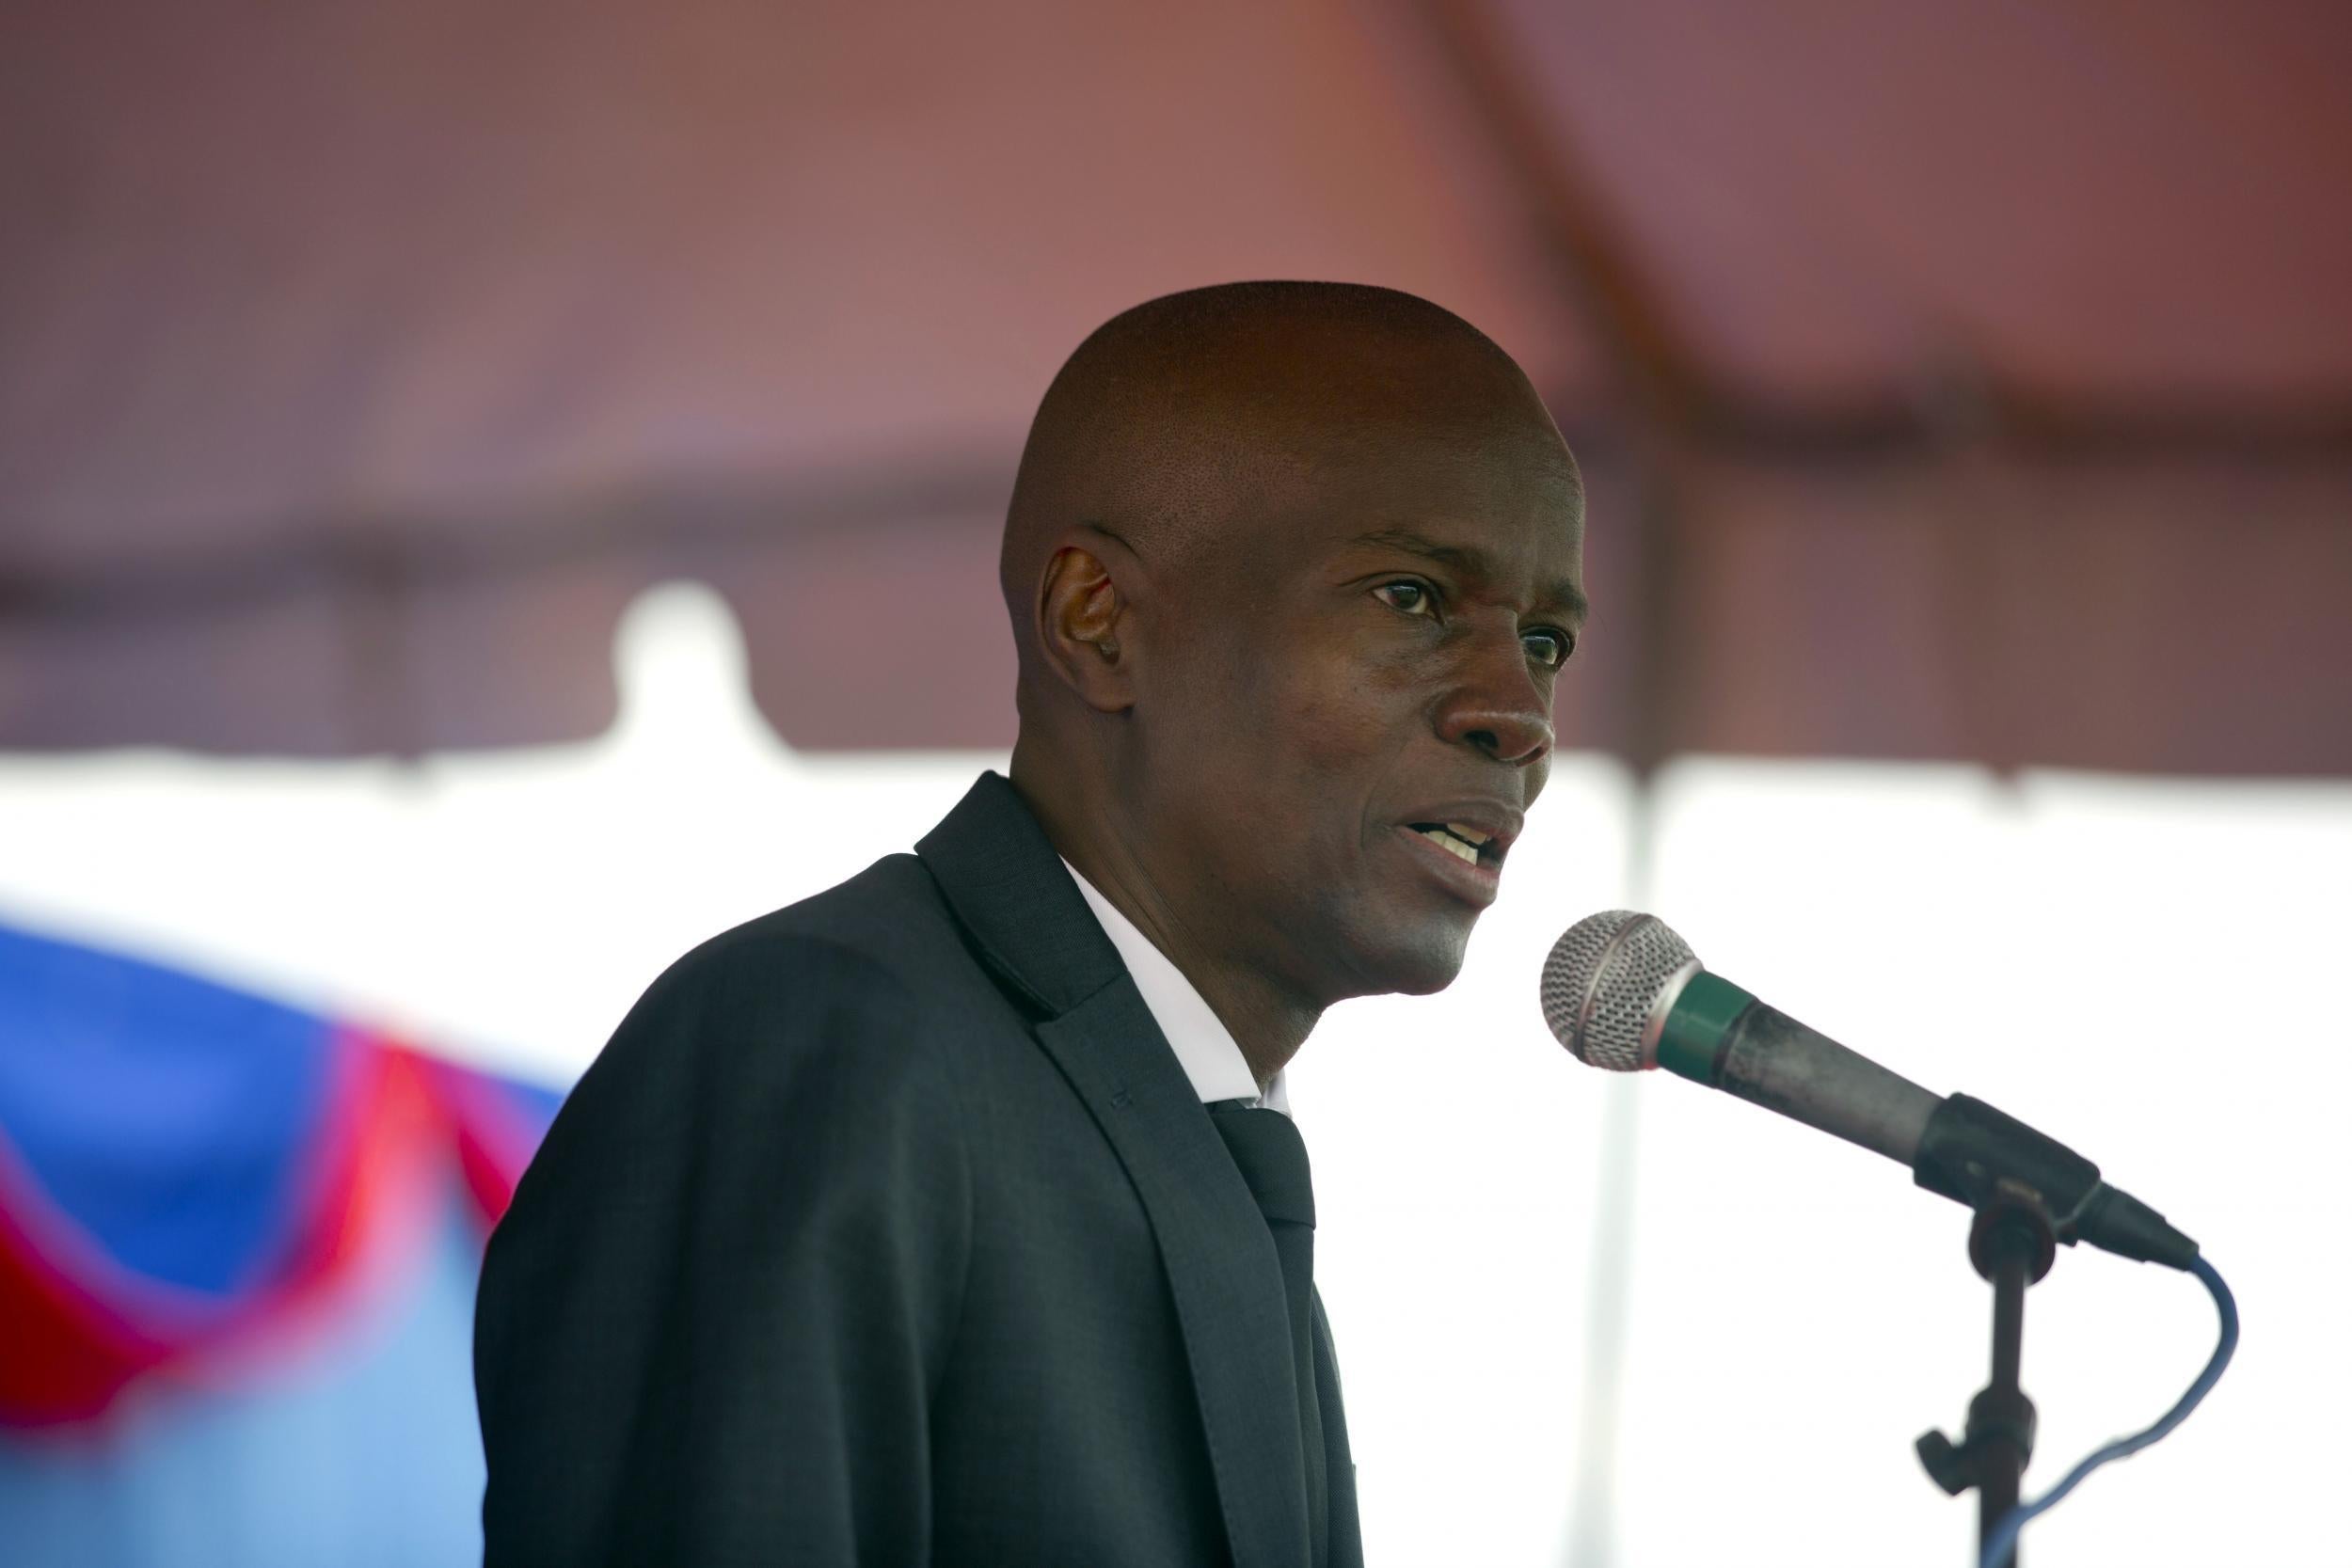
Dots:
pixel 889 1231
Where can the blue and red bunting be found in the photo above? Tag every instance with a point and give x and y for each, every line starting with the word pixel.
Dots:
pixel 190 1174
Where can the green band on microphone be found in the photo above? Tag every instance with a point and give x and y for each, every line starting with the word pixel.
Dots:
pixel 1695 1026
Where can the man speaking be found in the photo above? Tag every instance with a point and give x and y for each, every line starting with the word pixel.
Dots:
pixel 955 1216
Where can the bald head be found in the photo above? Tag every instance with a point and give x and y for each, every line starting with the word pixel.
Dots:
pixel 1173 421
pixel 1294 569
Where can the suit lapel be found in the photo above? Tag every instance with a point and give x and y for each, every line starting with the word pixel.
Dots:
pixel 1029 922
pixel 1339 1459
pixel 1221 1265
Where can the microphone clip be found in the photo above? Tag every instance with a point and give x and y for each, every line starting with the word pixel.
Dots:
pixel 1973 1154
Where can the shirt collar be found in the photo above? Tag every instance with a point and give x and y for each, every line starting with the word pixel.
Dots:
pixel 1205 1048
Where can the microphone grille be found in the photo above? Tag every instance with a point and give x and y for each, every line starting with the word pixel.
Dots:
pixel 1603 980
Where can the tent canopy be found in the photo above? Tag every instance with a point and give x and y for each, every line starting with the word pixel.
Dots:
pixel 1954 382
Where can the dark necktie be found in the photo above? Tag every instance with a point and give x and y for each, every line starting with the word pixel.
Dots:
pixel 1273 1160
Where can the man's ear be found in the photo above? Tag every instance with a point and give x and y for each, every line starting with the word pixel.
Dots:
pixel 1084 617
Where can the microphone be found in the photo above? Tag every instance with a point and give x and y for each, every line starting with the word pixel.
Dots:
pixel 1623 992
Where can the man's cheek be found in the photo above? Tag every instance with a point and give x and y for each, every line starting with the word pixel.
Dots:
pixel 1538 774
pixel 1340 722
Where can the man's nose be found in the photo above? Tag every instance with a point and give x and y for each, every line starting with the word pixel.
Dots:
pixel 1497 707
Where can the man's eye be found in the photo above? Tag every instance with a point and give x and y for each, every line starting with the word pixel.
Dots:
pixel 1547 647
pixel 1413 598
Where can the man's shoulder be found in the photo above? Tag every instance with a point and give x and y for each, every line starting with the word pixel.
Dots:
pixel 874 915
pixel 860 995
pixel 874 973
pixel 883 939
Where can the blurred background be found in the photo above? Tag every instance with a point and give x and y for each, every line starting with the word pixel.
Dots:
pixel 492 495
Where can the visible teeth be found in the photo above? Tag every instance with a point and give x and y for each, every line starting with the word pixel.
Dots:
pixel 1445 839
pixel 1470 833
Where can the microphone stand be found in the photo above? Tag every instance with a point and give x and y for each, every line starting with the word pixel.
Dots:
pixel 2012 1245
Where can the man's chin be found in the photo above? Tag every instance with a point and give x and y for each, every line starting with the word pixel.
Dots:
pixel 1418 964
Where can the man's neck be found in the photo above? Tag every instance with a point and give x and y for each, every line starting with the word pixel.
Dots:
pixel 1267 1020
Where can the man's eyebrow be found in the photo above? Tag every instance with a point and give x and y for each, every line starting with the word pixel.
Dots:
pixel 1565 595
pixel 1414 543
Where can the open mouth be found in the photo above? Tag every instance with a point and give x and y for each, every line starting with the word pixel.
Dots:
pixel 1462 841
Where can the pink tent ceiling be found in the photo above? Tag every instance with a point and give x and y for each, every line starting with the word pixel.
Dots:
pixel 1967 381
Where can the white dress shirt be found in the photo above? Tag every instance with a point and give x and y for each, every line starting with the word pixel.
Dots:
pixel 1205 1048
